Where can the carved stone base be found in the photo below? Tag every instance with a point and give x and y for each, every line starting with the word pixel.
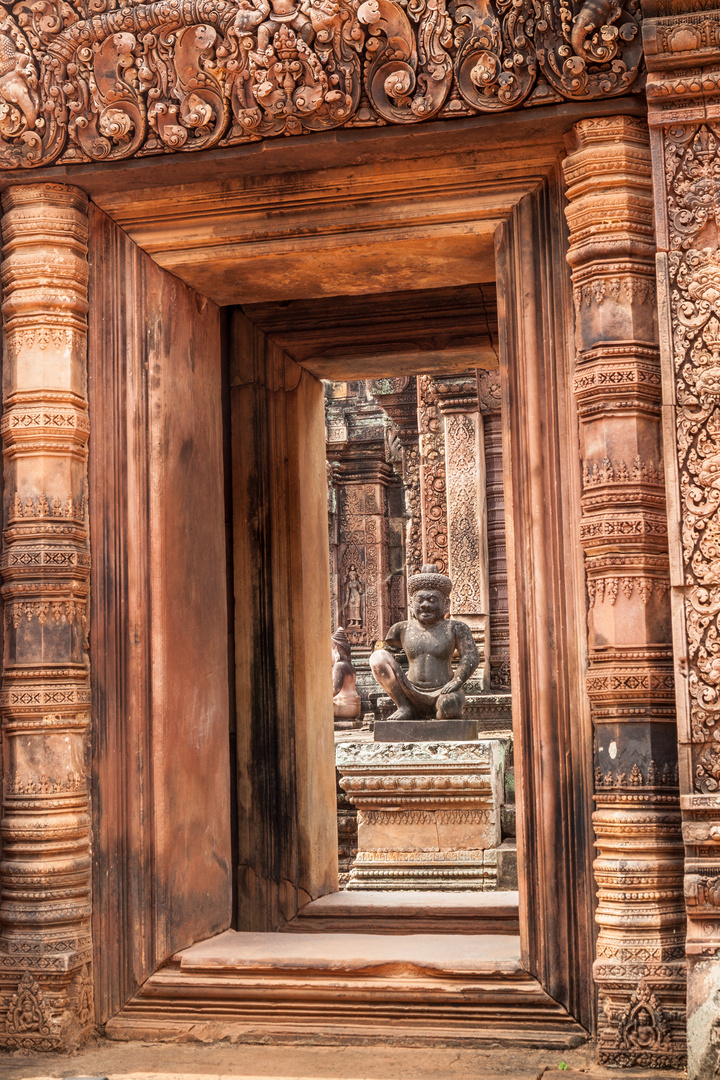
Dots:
pixel 428 814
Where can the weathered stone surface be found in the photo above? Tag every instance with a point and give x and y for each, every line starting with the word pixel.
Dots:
pixel 425 730
pixel 160 625
pixel 346 700
pixel 409 912
pixel 46 981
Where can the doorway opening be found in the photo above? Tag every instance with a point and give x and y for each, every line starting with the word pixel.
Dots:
pixel 410 394
pixel 414 468
pixel 280 351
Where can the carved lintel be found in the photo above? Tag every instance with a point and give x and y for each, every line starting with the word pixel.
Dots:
pixel 87 81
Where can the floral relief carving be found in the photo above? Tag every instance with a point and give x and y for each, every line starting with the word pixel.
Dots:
pixel 605 589
pixel 432 476
pixel 489 391
pixel 607 472
pixel 616 289
pixel 92 80
pixel 692 166
pixel 465 542
pixel 654 777
pixel 707 770
pixel 695 307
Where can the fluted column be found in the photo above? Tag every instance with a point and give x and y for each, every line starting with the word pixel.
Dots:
pixel 45 954
pixel 640 969
pixel 489 398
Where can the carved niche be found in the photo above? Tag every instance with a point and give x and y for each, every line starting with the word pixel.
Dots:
pixel 91 80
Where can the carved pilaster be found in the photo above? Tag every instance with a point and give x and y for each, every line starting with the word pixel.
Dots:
pixel 639 970
pixel 457 397
pixel 45 955
pixel 368 551
pixel 683 56
pixel 432 476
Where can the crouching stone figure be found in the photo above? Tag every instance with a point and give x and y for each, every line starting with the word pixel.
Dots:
pixel 346 700
pixel 430 640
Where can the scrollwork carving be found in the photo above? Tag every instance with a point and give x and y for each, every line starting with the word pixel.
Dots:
pixel 695 305
pixel 589 49
pixel 407 79
pixel 89 80
pixel 495 65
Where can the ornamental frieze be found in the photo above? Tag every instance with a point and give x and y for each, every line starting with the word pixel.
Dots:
pixel 88 80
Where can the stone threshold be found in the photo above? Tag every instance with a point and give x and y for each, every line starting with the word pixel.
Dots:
pixel 405 989
pixel 411 911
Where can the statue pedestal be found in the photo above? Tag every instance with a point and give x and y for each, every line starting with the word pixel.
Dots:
pixel 425 730
pixel 428 813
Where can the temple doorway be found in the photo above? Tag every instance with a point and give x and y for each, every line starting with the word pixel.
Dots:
pixel 265 347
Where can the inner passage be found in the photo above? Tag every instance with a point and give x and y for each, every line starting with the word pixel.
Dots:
pixel 425 778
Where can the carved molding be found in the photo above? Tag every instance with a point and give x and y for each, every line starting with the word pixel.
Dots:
pixel 95 81
pixel 394 754
pixel 425 810
pixel 497 547
pixel 45 948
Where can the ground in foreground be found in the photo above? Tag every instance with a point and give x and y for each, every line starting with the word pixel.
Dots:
pixel 221 1061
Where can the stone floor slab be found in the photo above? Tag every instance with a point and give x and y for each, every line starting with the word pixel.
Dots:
pixel 162 1061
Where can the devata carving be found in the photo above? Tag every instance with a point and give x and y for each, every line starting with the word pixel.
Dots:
pixel 87 80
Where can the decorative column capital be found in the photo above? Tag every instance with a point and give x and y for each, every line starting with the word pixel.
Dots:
pixel 682 51
pixel 457 393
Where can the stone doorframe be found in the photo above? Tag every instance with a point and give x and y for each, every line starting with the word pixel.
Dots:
pixel 548 532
